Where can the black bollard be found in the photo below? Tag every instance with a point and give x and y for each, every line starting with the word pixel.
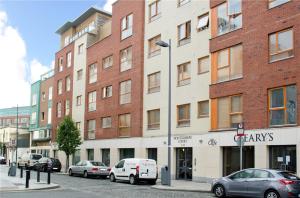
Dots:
pixel 48 178
pixel 27 179
pixel 38 175
pixel 21 174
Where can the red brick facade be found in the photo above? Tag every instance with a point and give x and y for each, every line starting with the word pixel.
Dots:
pixel 258 74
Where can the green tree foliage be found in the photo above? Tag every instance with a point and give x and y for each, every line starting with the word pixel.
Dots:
pixel 68 138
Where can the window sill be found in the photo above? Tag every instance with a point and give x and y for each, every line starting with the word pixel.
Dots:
pixel 239 78
pixel 282 59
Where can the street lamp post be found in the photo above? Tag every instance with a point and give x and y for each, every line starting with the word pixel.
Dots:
pixel 164 44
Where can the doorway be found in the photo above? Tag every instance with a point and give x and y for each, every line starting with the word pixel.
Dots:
pixel 184 163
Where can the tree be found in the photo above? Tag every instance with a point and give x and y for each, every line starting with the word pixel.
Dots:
pixel 68 138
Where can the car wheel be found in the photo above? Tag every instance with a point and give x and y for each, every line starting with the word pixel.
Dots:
pixel 70 172
pixel 112 178
pixel 132 180
pixel 272 194
pixel 85 174
pixel 219 191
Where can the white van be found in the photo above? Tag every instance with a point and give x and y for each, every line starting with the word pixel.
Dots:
pixel 29 159
pixel 134 170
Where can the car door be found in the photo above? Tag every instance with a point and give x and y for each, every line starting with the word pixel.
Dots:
pixel 75 168
pixel 259 183
pixel 83 167
pixel 237 185
pixel 119 170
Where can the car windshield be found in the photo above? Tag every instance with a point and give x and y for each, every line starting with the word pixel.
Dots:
pixel 36 157
pixel 97 164
pixel 289 175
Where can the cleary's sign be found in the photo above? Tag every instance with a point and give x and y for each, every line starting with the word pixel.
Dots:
pixel 257 137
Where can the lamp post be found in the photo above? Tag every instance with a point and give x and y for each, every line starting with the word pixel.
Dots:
pixel 17 134
pixel 164 44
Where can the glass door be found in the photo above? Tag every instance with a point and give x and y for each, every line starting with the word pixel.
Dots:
pixel 184 163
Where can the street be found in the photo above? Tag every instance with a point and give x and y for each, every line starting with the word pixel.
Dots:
pixel 91 187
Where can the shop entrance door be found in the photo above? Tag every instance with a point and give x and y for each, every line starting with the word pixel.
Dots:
pixel 184 163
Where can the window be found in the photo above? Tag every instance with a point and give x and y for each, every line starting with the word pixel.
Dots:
pixel 227 17
pixel 106 156
pixel 126 26
pixel 42 116
pixel 92 73
pixel 43 96
pixel 33 100
pixel 124 124
pixel 33 118
pixel 274 3
pixel 125 153
pixel 78 100
pixel 49 115
pixel 283 105
pixel 227 64
pixel 126 59
pixel 79 74
pixel 154 119
pixel 125 92
pixel 58 109
pixel 68 83
pixel 80 49
pixel 154 10
pixel 203 22
pixel 91 129
pixel 108 62
pixel 50 93
pixel 203 109
pixel 69 59
pixel 90 154
pixel 59 87
pixel 107 91
pixel 183 115
pixel 184 74
pixel 60 64
pixel 203 65
pixel 78 125
pixel 154 82
pixel 152 153
pixel 106 122
pixel 92 101
pixel 182 2
pixel 153 48
pixel 67 107
pixel 281 45
pixel 283 158
pixel 184 33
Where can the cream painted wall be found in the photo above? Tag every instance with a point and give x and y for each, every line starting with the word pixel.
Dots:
pixel 198 89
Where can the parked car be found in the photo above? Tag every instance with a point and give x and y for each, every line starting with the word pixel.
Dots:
pixel 134 170
pixel 28 160
pixel 43 164
pixel 89 168
pixel 265 183
pixel 2 160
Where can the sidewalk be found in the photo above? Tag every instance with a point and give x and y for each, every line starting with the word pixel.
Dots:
pixel 180 185
pixel 16 183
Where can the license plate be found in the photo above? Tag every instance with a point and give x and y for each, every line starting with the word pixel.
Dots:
pixel 103 169
pixel 54 168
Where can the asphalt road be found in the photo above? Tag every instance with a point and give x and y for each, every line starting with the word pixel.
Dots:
pixel 77 187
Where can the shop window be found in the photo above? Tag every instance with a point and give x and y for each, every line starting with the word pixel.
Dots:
pixel 184 74
pixel 183 115
pixel 154 49
pixel 154 119
pixel 154 82
pixel 274 3
pixel 75 157
pixel 283 105
pixel 154 10
pixel 126 153
pixel 90 154
pixel 124 125
pixel 152 153
pixel 281 45
pixel 106 156
pixel 283 157
pixel 126 59
pixel 184 33
pixel 126 26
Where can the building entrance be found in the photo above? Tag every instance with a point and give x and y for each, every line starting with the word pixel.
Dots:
pixel 184 163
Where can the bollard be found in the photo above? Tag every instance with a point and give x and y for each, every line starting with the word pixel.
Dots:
pixel 21 174
pixel 38 175
pixel 48 179
pixel 27 179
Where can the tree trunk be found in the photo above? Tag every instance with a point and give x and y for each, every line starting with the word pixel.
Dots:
pixel 67 163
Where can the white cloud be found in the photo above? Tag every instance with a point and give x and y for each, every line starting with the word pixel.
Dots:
pixel 14 86
pixel 107 6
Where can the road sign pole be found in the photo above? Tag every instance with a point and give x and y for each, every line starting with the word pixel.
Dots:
pixel 241 152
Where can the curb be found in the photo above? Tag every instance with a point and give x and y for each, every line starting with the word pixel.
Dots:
pixel 179 189
pixel 54 186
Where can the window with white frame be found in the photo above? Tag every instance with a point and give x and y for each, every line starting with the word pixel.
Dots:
pixel 106 122
pixel 203 22
pixel 126 26
pixel 67 107
pixel 68 83
pixel 125 92
pixel 58 109
pixel 107 62
pixel 59 87
pixel 92 101
pixel 107 91
pixel 126 59
pixel 92 73
pixel 69 59
pixel 91 129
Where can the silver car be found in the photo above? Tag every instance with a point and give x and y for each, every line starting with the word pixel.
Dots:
pixel 265 183
pixel 89 168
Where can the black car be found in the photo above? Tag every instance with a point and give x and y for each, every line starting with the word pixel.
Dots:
pixel 46 163
pixel 2 160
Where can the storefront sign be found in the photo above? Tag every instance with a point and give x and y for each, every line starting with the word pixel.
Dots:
pixel 257 137
pixel 212 142
pixel 182 140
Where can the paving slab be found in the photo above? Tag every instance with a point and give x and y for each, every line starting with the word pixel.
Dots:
pixel 179 185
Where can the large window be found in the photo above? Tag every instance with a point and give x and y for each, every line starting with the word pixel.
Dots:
pixel 91 129
pixel 184 33
pixel 154 119
pixel 92 73
pixel 184 74
pixel 154 49
pixel 67 107
pixel 68 83
pixel 283 157
pixel 125 92
pixel 59 87
pixel 154 82
pixel 283 105
pixel 274 3
pixel 69 59
pixel 154 10
pixel 126 59
pixel 227 17
pixel 183 115
pixel 107 62
pixel 106 122
pixel 107 91
pixel 126 153
pixel 92 101
pixel 227 64
pixel 281 45
pixel 124 124
pixel 126 26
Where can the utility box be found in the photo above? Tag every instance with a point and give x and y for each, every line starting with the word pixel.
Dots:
pixel 165 175
pixel 12 169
